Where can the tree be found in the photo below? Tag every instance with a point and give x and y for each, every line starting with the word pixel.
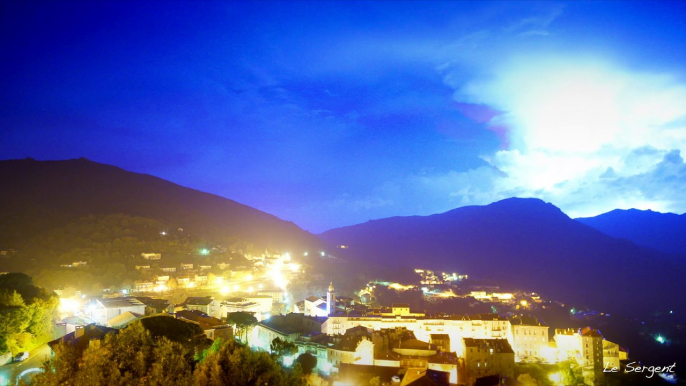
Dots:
pixel 132 357
pixel 570 373
pixel 527 380
pixel 243 322
pixel 232 363
pixel 11 298
pixel 307 362
pixel 532 372
pixel 281 348
pixel 26 313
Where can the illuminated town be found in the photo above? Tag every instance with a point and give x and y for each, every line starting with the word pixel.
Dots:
pixel 350 335
pixel 342 193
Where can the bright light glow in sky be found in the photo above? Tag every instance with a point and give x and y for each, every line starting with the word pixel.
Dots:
pixel 330 114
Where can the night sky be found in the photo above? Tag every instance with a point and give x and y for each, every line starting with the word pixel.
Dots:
pixel 331 114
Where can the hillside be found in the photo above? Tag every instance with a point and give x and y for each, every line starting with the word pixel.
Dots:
pixel 525 243
pixel 662 231
pixel 40 196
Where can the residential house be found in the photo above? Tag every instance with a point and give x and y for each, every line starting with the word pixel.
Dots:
pixel 213 327
pixel 102 310
pixel 204 304
pixel 82 336
pixel 151 256
pixel 484 357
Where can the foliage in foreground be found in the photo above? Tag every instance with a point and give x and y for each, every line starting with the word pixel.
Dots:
pixel 26 313
pixel 137 357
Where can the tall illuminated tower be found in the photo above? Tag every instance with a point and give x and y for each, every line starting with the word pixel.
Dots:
pixel 330 300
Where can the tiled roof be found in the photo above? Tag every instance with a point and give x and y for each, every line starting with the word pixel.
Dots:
pixel 198 301
pixel 123 319
pixel 120 302
pixel 500 345
pixel 526 320
pixel 91 331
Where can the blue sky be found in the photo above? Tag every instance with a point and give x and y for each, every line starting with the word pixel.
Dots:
pixel 334 113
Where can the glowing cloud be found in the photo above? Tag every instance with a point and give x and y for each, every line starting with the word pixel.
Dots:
pixel 580 125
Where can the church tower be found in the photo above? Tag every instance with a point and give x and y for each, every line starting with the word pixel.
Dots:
pixel 330 300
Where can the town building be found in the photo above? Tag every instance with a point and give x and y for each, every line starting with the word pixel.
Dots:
pixel 276 294
pixel 205 304
pixel 103 310
pixel 123 320
pixel 82 336
pixel 485 357
pixel 239 305
pixel 211 326
pixel 613 354
pixel 482 326
pixel 316 306
pixel 156 306
pixel 151 256
pixel 143 286
pixel 585 346
pixel 529 338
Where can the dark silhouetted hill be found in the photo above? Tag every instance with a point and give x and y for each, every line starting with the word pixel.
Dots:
pixel 37 196
pixel 526 243
pixel 662 231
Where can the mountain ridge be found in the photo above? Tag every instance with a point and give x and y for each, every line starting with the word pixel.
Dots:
pixel 45 193
pixel 533 244
pixel 662 231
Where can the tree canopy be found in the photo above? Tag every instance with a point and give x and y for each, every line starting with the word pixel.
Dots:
pixel 243 321
pixel 281 348
pixel 137 356
pixel 26 313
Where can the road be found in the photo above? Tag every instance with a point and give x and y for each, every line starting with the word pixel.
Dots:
pixel 36 358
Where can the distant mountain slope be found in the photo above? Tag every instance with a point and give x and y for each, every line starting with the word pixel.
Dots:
pixel 524 242
pixel 662 231
pixel 37 196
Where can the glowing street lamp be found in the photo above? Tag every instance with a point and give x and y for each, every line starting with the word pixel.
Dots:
pixel 68 305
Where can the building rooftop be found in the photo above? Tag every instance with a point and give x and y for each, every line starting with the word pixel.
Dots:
pixel 526 320
pixel 361 374
pixel 588 331
pixel 123 320
pixel 120 302
pixel 444 358
pixel 500 345
pixel 424 377
pixel 158 304
pixel 415 344
pixel 198 301
pixel 388 355
pixel 205 321
pixel 82 336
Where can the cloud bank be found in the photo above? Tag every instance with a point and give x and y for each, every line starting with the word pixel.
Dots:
pixel 586 134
